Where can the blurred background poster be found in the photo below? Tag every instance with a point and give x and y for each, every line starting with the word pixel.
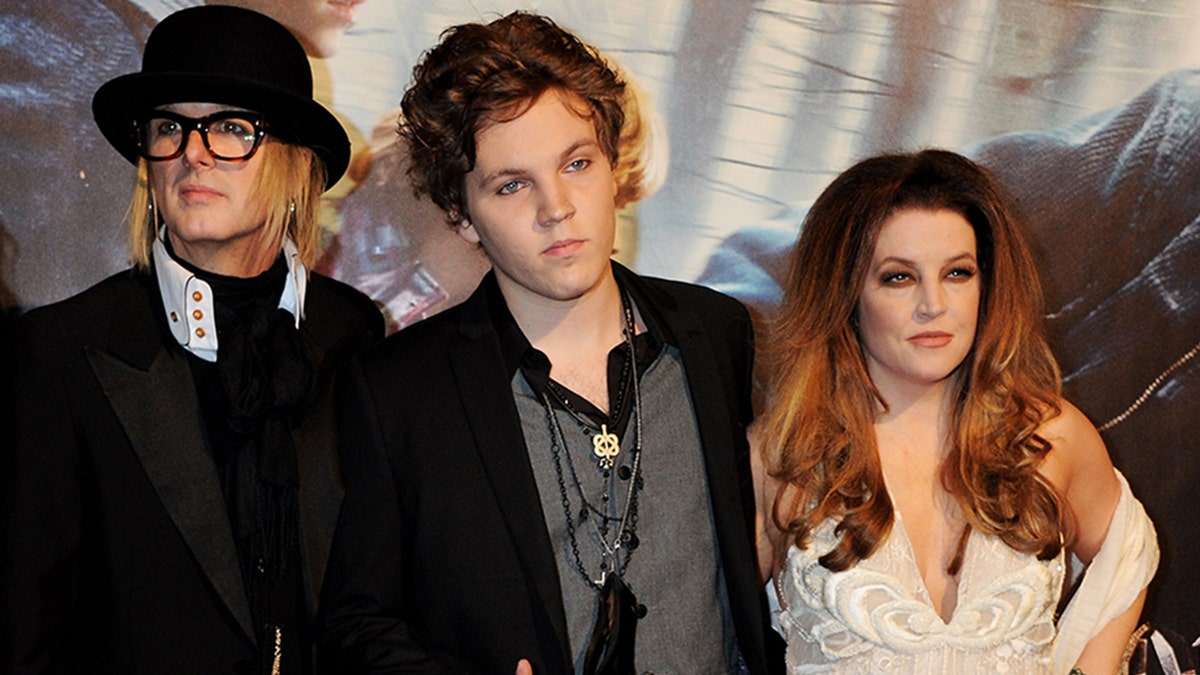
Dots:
pixel 1090 111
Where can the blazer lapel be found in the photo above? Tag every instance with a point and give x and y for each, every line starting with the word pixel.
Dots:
pixel 495 425
pixel 711 395
pixel 712 388
pixel 156 405
pixel 320 485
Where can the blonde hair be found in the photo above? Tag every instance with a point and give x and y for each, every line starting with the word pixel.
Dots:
pixel 291 181
pixel 822 404
pixel 644 153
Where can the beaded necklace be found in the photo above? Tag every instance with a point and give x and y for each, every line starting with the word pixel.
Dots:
pixel 626 519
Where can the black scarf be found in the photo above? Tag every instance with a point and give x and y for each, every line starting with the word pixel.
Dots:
pixel 263 382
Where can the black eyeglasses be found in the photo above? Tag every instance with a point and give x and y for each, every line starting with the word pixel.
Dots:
pixel 231 135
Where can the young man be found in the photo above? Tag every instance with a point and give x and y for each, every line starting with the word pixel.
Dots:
pixel 559 462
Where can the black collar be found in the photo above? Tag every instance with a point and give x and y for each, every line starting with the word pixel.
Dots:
pixel 520 355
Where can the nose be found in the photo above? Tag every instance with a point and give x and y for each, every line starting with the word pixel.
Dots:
pixel 194 152
pixel 931 302
pixel 556 205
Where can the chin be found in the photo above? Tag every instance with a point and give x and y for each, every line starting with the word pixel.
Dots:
pixel 569 292
pixel 566 293
pixel 325 46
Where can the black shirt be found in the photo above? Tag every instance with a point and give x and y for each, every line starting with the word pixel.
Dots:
pixel 520 355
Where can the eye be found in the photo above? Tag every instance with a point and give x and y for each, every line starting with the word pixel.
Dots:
pixel 164 127
pixel 578 165
pixel 510 187
pixel 895 278
pixel 234 127
pixel 962 272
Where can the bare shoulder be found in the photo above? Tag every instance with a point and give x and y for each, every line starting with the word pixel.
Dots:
pixel 1077 448
pixel 1080 469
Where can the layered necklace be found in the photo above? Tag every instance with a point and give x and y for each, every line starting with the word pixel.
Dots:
pixel 614 530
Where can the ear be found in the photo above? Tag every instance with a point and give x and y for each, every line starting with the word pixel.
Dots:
pixel 467 231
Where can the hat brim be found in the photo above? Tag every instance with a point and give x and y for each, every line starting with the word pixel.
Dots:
pixel 292 119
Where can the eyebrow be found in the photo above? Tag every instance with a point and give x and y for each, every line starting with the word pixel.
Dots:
pixel 575 147
pixel 964 256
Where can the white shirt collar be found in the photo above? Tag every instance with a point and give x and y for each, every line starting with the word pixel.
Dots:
pixel 188 299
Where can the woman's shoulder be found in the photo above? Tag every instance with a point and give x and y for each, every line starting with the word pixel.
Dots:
pixel 1075 443
pixel 1079 468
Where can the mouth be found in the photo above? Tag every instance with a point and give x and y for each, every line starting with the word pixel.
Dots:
pixel 563 248
pixel 198 193
pixel 346 10
pixel 931 339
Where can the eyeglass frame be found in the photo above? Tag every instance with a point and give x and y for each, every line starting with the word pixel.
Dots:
pixel 200 124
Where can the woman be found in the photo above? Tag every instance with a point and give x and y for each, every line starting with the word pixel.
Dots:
pixel 924 480
pixel 173 482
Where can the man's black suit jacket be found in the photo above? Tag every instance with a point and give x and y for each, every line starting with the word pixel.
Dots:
pixel 442 560
pixel 117 553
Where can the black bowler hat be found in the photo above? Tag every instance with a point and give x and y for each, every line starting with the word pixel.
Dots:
pixel 231 56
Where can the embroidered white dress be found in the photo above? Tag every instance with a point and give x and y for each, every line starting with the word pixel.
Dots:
pixel 877 617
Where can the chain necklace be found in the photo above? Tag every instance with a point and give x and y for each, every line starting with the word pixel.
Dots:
pixel 626 529
pixel 606 445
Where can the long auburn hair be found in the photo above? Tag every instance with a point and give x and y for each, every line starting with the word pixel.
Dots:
pixel 821 407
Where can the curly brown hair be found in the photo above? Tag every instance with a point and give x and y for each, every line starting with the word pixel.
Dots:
pixel 820 442
pixel 480 74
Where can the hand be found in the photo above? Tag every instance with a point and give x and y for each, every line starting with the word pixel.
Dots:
pixel 523 667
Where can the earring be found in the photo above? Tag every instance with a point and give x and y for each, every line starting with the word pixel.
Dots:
pixel 150 206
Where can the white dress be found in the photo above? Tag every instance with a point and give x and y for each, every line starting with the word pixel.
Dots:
pixel 877 616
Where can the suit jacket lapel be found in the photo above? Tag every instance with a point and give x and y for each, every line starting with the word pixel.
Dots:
pixel 320 488
pixel 495 425
pixel 730 490
pixel 151 392
pixel 711 395
pixel 710 400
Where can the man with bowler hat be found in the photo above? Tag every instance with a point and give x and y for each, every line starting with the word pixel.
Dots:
pixel 169 495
